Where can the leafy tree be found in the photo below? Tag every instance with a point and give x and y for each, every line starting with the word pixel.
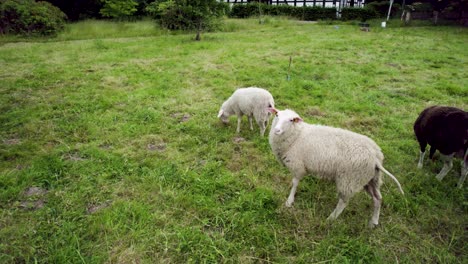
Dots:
pixel 30 18
pixel 118 8
pixel 141 8
pixel 196 15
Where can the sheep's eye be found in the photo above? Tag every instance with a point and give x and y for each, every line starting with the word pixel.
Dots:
pixel 292 120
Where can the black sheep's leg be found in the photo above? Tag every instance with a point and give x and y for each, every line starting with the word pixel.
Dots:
pixel 422 152
pixel 431 152
pixel 447 166
pixel 464 170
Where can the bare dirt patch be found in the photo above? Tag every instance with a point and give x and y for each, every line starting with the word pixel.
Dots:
pixel 182 117
pixel 32 205
pixel 106 146
pixel 156 147
pixel 315 111
pixel 34 191
pixel 93 208
pixel 238 140
pixel 35 199
pixel 11 141
pixel 73 157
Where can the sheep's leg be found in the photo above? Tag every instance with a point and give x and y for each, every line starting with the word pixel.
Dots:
pixel 421 159
pixel 250 122
pixel 464 170
pixel 464 173
pixel 342 203
pixel 239 120
pixel 262 126
pixel 447 167
pixel 432 150
pixel 422 152
pixel 374 192
pixel 295 183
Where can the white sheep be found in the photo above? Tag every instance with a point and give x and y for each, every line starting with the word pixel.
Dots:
pixel 352 160
pixel 252 102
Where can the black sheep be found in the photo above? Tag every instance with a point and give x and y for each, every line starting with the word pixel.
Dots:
pixel 445 129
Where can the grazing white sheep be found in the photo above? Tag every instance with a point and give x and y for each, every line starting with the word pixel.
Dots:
pixel 252 102
pixel 352 160
pixel 445 129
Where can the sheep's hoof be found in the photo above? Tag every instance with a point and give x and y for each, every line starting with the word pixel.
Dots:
pixel 288 204
pixel 420 166
pixel 372 224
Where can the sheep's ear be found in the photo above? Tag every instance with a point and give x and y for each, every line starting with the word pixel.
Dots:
pixel 220 113
pixel 297 120
pixel 272 110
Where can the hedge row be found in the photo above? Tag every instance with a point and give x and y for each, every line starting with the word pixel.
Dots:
pixel 303 13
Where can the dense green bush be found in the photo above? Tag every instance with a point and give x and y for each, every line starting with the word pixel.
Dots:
pixel 28 17
pixel 187 14
pixel 198 15
pixel 244 11
pixel 303 13
pixel 362 14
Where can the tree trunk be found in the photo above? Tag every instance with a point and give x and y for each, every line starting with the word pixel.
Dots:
pixel 407 17
pixel 435 15
pixel 198 37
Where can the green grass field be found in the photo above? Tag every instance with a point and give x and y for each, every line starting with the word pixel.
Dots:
pixel 111 152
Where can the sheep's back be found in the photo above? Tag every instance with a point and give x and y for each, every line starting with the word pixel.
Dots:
pixel 327 152
pixel 253 100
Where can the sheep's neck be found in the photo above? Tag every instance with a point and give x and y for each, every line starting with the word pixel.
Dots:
pixel 283 142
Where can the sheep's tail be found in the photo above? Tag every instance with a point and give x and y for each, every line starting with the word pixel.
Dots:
pixel 380 167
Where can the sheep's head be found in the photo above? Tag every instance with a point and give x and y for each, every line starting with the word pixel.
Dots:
pixel 223 116
pixel 284 120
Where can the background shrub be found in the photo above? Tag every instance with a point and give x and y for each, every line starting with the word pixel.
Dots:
pixel 187 15
pixel 29 17
pixel 361 14
pixel 244 11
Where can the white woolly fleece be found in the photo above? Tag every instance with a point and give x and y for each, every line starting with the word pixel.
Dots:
pixel 252 102
pixel 352 160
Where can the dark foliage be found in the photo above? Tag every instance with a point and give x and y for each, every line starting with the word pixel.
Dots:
pixel 28 17
pixel 361 14
pixel 79 9
pixel 382 8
